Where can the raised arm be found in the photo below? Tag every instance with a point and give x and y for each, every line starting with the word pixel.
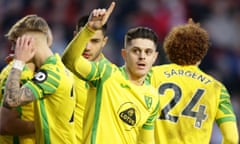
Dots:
pixel 72 56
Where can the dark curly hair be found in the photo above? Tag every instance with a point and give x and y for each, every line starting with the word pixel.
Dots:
pixel 186 44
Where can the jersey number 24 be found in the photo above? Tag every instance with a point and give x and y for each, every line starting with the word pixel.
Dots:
pixel 198 115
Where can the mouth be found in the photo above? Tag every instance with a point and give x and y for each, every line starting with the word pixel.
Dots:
pixel 86 55
pixel 141 65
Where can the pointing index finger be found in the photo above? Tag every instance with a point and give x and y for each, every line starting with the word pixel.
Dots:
pixel 108 12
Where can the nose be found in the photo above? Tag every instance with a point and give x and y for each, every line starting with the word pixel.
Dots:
pixel 88 46
pixel 142 55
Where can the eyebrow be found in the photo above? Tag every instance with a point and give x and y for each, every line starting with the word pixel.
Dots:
pixel 137 47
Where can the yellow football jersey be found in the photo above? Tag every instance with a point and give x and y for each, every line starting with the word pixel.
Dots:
pixel 26 112
pixel 190 102
pixel 116 105
pixel 81 90
pixel 116 109
pixel 54 107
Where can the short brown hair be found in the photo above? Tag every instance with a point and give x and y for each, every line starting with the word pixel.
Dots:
pixel 186 44
pixel 140 32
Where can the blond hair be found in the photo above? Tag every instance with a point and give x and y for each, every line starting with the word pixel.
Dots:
pixel 29 23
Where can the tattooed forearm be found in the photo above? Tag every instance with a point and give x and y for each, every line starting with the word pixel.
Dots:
pixel 14 95
pixel 12 88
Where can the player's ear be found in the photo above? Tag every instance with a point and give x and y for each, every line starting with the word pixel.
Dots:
pixel 123 52
pixel 105 39
pixel 155 57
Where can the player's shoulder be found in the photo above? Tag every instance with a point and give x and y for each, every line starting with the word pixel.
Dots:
pixel 160 67
pixel 53 59
pixel 164 67
pixel 53 63
pixel 214 80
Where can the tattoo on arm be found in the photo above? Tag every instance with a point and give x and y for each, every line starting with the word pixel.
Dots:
pixel 14 95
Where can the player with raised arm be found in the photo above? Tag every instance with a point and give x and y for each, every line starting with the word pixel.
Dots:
pixel 121 107
pixel 92 52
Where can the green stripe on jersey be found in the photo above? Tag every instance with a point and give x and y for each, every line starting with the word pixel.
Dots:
pixel 44 120
pixel 106 74
pixel 225 119
pixel 226 107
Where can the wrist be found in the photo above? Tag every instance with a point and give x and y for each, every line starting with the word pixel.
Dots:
pixel 18 64
pixel 90 28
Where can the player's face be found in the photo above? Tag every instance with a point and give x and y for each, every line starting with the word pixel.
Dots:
pixel 95 46
pixel 139 57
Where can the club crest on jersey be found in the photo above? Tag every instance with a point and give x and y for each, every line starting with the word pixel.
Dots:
pixel 148 101
pixel 40 76
pixel 129 114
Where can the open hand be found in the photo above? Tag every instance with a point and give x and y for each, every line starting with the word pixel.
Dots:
pixel 24 50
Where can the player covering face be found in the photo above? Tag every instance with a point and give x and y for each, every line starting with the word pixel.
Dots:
pixel 50 89
pixel 17 125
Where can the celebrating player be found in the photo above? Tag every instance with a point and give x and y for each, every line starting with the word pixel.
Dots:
pixel 121 106
pixel 92 52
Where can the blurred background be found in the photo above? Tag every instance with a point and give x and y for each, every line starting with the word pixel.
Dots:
pixel 221 18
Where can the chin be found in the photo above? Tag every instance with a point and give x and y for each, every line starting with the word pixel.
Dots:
pixel 88 58
pixel 140 73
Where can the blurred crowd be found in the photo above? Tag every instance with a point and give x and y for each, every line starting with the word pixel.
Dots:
pixel 221 18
